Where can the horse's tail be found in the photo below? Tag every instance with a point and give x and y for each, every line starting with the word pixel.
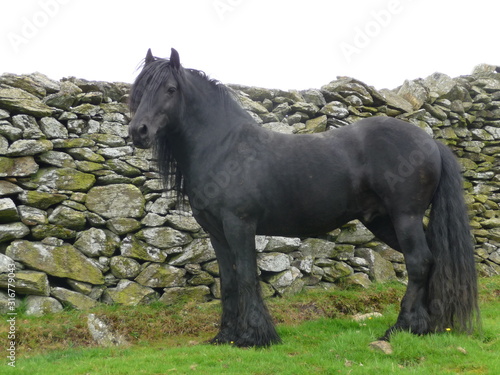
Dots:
pixel 453 296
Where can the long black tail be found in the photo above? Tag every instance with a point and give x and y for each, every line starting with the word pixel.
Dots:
pixel 453 299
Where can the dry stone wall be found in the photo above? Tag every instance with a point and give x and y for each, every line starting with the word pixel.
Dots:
pixel 85 220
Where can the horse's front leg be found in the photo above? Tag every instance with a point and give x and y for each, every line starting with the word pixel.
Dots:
pixel 229 292
pixel 254 323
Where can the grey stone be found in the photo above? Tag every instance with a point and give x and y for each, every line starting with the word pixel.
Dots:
pixel 355 233
pixel 39 305
pixel 129 293
pixel 273 262
pixel 8 188
pixel 57 159
pixel 28 126
pixel 121 200
pixel 27 147
pixel 60 261
pixel 64 179
pixel 124 268
pixel 282 244
pixel 97 242
pixel 414 92
pixel 68 218
pixel 200 250
pixel 23 166
pixel 337 271
pixel 132 247
pixel 12 231
pixel 163 237
pixel 358 279
pixel 161 276
pixel 8 211
pixel 18 101
pixel 27 282
pixel 103 334
pixel 200 293
pixel 380 269
pixel 53 128
pixel 73 299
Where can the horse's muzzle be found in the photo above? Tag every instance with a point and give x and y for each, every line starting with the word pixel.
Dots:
pixel 140 135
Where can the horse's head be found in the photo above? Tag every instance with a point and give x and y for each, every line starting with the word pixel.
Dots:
pixel 155 99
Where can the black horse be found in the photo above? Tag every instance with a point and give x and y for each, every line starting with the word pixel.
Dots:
pixel 243 180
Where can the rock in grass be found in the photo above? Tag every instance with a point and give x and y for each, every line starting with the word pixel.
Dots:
pixel 382 346
pixel 103 334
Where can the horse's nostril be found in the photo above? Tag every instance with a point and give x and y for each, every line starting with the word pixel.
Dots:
pixel 143 129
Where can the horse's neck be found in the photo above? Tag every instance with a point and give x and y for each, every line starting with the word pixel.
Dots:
pixel 205 138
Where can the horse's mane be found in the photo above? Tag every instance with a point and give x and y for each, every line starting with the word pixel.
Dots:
pixel 152 77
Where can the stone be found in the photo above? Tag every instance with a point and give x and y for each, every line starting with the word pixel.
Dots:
pixel 60 261
pixel 358 279
pixel 338 271
pixel 161 276
pixel 28 126
pixel 13 231
pixel 132 247
pixel 41 200
pixel 413 92
pixel 23 166
pixel 53 128
pixel 182 222
pixel 124 268
pixel 73 299
pixel 355 233
pixel 200 293
pixel 123 225
pixel 346 87
pixel 27 147
pixel 8 188
pixel 439 83
pixel 8 211
pixel 282 244
pixel 200 250
pixel 335 109
pixel 283 280
pixel 19 101
pixel 58 159
pixel 68 218
pixel 491 223
pixel 103 334
pixel 32 216
pixel 396 101
pixel 382 346
pixel 129 293
pixel 316 125
pixel 381 270
pixel 23 82
pixel 252 106
pixel 39 305
pixel 163 237
pixel 64 179
pixel 317 248
pixel 96 242
pixel 273 262
pixel 27 282
pixel 201 278
pixel 120 200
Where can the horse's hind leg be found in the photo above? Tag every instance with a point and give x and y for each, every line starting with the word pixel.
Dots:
pixel 414 314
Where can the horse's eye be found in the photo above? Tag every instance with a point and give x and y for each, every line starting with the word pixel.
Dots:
pixel 171 90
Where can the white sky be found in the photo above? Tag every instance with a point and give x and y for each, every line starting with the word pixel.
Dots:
pixel 269 43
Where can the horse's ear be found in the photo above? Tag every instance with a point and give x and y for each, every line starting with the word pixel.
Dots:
pixel 149 57
pixel 175 60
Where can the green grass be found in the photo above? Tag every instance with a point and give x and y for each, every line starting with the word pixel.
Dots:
pixel 317 339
